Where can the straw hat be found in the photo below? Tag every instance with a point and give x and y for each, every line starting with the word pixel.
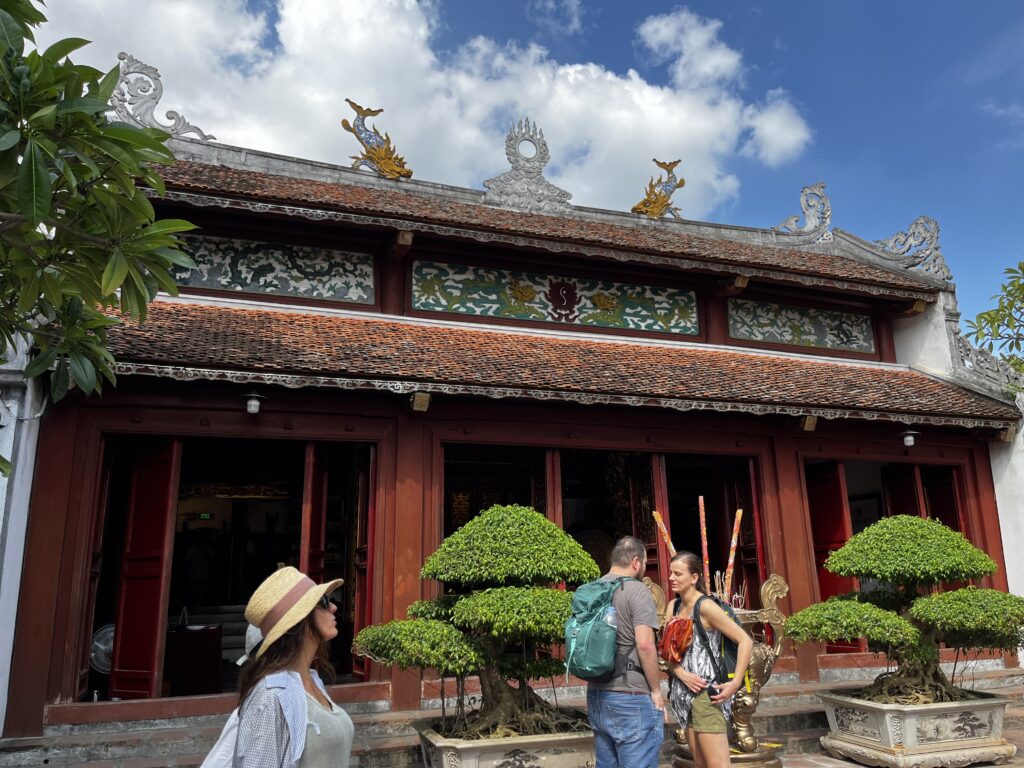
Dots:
pixel 284 599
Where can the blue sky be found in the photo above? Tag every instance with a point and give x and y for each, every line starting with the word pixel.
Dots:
pixel 902 109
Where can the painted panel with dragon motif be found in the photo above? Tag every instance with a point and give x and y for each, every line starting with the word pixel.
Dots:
pixel 489 292
pixel 288 270
pixel 800 326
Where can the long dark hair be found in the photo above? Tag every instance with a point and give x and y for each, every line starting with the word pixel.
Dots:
pixel 282 654
pixel 693 565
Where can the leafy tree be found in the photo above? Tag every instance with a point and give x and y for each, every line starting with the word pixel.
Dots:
pixel 903 617
pixel 78 235
pixel 1002 328
pixel 501 624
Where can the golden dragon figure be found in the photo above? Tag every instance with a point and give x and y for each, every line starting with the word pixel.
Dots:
pixel 658 200
pixel 379 154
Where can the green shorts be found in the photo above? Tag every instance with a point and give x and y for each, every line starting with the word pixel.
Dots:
pixel 705 715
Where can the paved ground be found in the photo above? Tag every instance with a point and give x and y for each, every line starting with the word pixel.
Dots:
pixel 1015 736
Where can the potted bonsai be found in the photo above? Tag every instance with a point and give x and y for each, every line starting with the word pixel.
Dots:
pixel 500 622
pixel 913 714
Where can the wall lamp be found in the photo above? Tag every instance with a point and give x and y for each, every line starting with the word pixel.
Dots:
pixel 252 402
pixel 419 401
pixel 908 437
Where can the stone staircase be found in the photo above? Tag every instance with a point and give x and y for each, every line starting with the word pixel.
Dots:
pixel 789 714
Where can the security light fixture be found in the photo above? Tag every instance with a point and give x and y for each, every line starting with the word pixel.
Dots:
pixel 419 401
pixel 908 437
pixel 252 402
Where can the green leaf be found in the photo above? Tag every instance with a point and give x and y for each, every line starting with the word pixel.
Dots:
pixel 62 48
pixel 59 381
pixel 5 466
pixel 12 34
pixel 85 104
pixel 41 363
pixel 83 372
pixel 34 190
pixel 9 139
pixel 167 227
pixel 114 273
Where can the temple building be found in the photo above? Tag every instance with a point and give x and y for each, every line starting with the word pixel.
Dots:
pixel 361 361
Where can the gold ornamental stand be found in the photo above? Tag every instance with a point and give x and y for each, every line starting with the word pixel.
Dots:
pixel 747 751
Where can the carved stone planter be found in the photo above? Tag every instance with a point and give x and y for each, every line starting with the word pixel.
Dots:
pixel 949 735
pixel 563 750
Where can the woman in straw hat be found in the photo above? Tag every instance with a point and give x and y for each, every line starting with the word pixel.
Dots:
pixel 286 719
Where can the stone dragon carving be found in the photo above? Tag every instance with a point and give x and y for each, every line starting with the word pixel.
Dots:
pixel 136 95
pixel 817 212
pixel 918 247
pixel 524 187
pixel 379 153
pixel 658 200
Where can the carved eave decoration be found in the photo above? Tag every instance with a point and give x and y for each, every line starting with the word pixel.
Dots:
pixel 136 95
pixel 543 244
pixel 916 249
pixel 658 199
pixel 817 214
pixel 379 155
pixel 292 381
pixel 524 188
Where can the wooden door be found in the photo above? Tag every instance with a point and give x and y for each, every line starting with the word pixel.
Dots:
pixel 640 472
pixel 942 495
pixel 93 579
pixel 314 513
pixel 141 626
pixel 830 529
pixel 365 532
pixel 901 485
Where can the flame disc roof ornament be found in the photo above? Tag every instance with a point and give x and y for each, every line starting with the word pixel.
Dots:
pixel 524 187
pixel 136 95
pixel 817 212
pixel 379 155
pixel 658 200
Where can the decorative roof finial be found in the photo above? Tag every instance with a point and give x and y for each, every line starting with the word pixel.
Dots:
pixel 524 187
pixel 379 154
pixel 658 200
pixel 136 95
pixel 922 234
pixel 817 215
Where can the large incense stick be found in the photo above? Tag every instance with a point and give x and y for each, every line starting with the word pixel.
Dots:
pixel 704 543
pixel 732 552
pixel 664 533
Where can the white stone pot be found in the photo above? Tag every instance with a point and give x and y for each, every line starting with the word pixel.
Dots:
pixel 561 750
pixel 950 735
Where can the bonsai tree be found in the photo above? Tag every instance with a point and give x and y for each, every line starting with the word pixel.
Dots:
pixel 499 622
pixel 902 614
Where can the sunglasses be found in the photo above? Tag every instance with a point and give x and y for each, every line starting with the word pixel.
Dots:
pixel 324 603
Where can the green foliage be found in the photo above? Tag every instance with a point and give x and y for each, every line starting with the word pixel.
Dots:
pixel 515 613
pixel 510 545
pixel 842 618
pixel 76 232
pixel 973 618
pixel 419 643
pixel 1002 327
pixel 439 608
pixel 907 550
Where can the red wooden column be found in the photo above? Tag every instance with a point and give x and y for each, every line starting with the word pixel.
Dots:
pixel 314 514
pixel 789 539
pixel 407 533
pixel 553 485
pixel 661 505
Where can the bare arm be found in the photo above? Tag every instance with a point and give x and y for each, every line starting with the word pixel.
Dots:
pixel 647 650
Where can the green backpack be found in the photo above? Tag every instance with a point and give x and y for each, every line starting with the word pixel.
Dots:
pixel 590 649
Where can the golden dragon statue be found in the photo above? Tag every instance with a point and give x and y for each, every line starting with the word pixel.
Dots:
pixel 658 200
pixel 379 153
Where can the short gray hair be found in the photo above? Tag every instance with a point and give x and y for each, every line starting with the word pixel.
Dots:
pixel 626 549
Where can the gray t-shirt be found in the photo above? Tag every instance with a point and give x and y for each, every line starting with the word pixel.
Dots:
pixel 635 607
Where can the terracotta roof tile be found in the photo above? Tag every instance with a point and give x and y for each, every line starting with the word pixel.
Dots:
pixel 216 337
pixel 662 241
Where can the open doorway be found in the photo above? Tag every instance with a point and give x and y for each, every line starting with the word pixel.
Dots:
pixel 191 527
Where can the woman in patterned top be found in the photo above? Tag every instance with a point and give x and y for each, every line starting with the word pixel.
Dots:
pixel 702 706
pixel 286 719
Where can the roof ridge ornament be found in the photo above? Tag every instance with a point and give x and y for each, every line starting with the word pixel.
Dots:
pixel 136 95
pixel 923 235
pixel 379 154
pixel 817 211
pixel 658 200
pixel 524 187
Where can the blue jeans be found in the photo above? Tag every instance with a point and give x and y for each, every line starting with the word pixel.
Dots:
pixel 628 730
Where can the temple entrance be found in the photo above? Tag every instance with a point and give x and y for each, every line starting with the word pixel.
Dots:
pixel 191 527
pixel 726 484
pixel 845 497
pixel 478 476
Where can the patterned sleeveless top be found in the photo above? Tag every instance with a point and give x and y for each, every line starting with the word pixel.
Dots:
pixel 696 661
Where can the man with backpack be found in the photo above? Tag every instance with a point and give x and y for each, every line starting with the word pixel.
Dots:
pixel 624 703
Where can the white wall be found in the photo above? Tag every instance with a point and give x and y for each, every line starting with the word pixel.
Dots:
pixel 18 436
pixel 923 341
pixel 1008 473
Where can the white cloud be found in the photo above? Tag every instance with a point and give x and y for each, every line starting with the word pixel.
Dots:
pixel 1013 110
pixel 447 115
pixel 559 17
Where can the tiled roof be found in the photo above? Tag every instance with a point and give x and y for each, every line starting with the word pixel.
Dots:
pixel 346 348
pixel 659 240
